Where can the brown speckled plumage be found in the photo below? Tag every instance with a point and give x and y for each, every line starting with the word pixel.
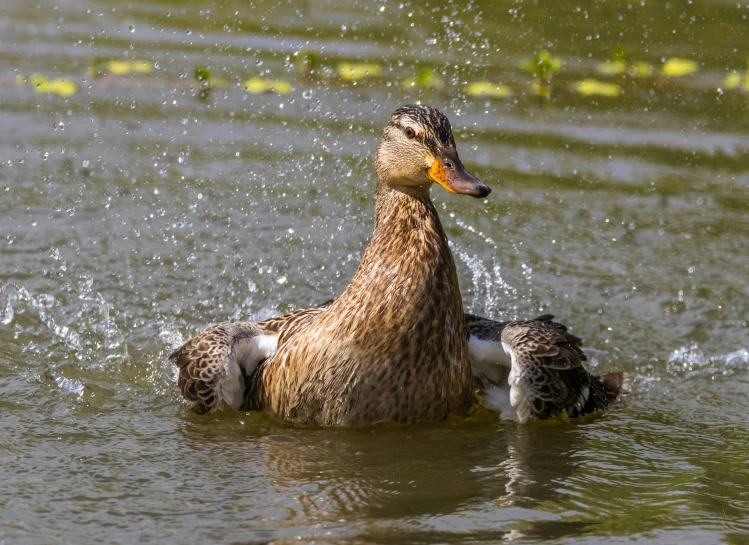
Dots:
pixel 202 363
pixel 547 375
pixel 291 321
pixel 394 346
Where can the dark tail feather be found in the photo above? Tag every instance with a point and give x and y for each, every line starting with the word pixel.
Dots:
pixel 605 390
pixel 615 384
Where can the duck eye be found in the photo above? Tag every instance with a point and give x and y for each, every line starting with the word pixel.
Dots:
pixel 410 133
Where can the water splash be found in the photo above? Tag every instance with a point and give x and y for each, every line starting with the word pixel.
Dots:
pixel 85 325
pixel 491 294
pixel 170 335
pixel 7 314
pixel 72 386
pixel 693 360
pixel 112 336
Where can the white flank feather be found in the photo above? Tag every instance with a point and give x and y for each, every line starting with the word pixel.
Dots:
pixel 518 395
pixel 497 398
pixel 488 360
pixel 231 387
pixel 246 355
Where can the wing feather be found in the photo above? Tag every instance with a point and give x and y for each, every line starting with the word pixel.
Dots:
pixel 545 363
pixel 212 364
pixel 548 376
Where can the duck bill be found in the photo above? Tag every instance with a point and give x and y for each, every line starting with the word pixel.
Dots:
pixel 449 172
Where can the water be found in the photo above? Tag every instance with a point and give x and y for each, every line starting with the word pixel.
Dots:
pixel 133 213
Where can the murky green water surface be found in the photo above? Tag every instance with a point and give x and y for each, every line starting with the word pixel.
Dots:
pixel 132 213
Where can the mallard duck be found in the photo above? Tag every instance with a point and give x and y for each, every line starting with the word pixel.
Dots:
pixel 396 345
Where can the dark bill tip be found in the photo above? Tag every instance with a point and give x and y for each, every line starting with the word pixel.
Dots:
pixel 483 190
pixel 450 173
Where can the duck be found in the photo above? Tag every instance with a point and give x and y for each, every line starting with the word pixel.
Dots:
pixel 396 345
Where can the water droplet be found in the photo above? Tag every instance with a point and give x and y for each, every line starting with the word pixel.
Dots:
pixel 132 28
pixel 7 314
pixel 308 94
pixel 72 386
pixel 188 32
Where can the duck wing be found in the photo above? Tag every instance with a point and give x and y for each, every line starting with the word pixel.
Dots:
pixel 215 364
pixel 548 376
pixel 212 365
pixel 489 361
pixel 545 363
pixel 539 359
pixel 292 322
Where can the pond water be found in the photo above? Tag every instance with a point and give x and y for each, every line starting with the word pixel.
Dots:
pixel 133 213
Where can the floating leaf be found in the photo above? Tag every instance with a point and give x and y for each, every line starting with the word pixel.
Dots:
pixel 220 83
pixel 123 67
pixel 735 80
pixel 352 72
pixel 308 63
pixel 640 69
pixel 259 85
pixel 675 67
pixel 732 80
pixel 58 86
pixel 485 88
pixel 426 78
pixel 612 68
pixel 118 68
pixel 141 67
pixel 542 65
pixel 202 73
pixel 589 87
pixel 620 64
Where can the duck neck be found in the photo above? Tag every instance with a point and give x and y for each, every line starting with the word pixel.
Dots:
pixel 407 267
pixel 396 204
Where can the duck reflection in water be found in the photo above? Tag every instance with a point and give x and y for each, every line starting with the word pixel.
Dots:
pixel 391 473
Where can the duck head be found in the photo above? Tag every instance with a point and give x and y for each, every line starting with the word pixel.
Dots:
pixel 418 149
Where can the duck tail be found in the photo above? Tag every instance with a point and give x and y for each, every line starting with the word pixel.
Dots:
pixel 615 385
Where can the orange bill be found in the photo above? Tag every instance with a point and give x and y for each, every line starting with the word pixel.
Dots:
pixel 437 174
pixel 448 171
